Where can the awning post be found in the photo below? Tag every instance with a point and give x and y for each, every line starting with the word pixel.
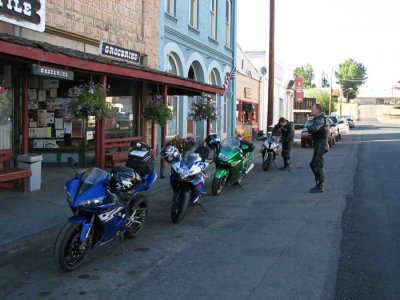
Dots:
pixel 163 132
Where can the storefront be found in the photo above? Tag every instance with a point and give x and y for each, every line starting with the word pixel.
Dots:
pixel 35 79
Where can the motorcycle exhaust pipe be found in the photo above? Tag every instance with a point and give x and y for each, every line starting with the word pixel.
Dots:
pixel 249 169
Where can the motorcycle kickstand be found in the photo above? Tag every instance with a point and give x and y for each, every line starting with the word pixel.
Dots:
pixel 121 238
pixel 202 207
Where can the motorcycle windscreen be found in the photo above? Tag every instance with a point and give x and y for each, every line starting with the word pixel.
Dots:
pixel 230 145
pixel 190 157
pixel 90 178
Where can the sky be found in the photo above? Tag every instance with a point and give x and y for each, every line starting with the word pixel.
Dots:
pixel 325 33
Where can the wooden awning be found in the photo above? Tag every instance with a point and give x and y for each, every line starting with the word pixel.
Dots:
pixel 40 52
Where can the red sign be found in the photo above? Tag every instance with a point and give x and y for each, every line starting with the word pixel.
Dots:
pixel 299 89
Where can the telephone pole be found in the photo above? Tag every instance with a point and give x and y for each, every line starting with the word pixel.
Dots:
pixel 271 70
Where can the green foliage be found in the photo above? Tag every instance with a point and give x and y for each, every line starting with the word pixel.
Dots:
pixel 307 73
pixel 158 112
pixel 322 96
pixel 324 80
pixel 351 76
pixel 88 100
pixel 203 109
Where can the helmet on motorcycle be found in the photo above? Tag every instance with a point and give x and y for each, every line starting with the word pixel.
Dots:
pixel 212 141
pixel 170 154
pixel 123 179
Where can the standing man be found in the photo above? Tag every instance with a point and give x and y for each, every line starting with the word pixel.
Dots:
pixel 285 130
pixel 319 130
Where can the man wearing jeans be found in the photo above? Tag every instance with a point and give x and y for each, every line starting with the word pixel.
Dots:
pixel 319 130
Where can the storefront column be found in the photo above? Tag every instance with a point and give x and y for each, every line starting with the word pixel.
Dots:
pixel 101 133
pixel 163 132
pixel 25 117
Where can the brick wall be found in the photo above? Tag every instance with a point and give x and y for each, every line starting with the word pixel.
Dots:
pixel 132 24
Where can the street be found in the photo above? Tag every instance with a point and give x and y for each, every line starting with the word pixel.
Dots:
pixel 270 240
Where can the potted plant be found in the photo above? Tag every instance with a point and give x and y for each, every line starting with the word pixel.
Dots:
pixel 203 109
pixel 182 144
pixel 88 100
pixel 157 112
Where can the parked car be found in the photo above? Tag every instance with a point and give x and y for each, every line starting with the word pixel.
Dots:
pixel 306 138
pixel 341 125
pixel 350 121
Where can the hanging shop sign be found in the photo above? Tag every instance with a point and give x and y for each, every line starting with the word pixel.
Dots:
pixel 248 93
pixel 25 13
pixel 118 52
pixel 52 72
pixel 299 86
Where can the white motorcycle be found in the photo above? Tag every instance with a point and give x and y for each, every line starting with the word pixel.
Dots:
pixel 270 150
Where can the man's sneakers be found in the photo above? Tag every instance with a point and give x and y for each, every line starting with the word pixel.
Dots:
pixel 319 188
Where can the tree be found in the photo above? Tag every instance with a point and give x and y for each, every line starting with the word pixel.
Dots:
pixel 324 81
pixel 307 73
pixel 322 96
pixel 351 76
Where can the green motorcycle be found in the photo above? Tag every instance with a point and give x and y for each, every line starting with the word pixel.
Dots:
pixel 232 160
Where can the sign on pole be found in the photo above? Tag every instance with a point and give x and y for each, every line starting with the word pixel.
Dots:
pixel 299 94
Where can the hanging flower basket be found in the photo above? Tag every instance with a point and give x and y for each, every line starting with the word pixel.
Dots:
pixel 88 100
pixel 159 113
pixel 203 109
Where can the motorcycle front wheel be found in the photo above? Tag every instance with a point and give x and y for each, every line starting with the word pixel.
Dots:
pixel 217 185
pixel 68 253
pixel 267 162
pixel 180 202
pixel 137 212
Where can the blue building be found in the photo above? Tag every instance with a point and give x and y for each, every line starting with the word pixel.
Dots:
pixel 197 39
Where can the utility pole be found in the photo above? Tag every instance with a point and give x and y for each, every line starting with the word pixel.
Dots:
pixel 271 75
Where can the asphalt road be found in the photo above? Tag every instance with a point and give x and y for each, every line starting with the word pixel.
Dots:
pixel 369 265
pixel 269 240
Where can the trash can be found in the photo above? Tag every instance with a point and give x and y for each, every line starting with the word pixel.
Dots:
pixel 32 162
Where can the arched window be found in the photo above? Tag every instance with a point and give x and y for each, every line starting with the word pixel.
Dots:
pixel 172 65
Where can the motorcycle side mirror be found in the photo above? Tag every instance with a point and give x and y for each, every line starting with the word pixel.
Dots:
pixel 71 162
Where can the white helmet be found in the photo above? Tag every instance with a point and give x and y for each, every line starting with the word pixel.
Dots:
pixel 171 154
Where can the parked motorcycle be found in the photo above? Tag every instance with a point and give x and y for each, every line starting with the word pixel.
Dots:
pixel 270 150
pixel 232 162
pixel 187 179
pixel 105 206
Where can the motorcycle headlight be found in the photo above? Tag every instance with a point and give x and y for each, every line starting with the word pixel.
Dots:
pixel 91 202
pixel 184 173
pixel 68 196
pixel 223 156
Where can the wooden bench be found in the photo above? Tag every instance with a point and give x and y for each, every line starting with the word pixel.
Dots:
pixel 12 178
pixel 117 150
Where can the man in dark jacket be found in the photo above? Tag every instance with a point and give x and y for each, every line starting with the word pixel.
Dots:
pixel 319 130
pixel 286 132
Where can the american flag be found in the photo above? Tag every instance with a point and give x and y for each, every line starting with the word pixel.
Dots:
pixel 230 76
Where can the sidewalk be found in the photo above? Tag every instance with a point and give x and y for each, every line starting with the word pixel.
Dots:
pixel 30 217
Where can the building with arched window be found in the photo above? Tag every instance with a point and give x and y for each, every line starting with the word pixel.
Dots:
pixel 196 41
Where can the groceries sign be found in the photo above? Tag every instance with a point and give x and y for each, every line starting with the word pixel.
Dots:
pixel 299 89
pixel 120 53
pixel 25 13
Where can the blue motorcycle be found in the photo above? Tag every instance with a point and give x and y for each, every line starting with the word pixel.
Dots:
pixel 105 206
pixel 187 179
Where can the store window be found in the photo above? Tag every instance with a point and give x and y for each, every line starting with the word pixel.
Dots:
pixel 194 14
pixel 6 107
pixel 228 23
pixel 123 96
pixel 213 19
pixel 170 9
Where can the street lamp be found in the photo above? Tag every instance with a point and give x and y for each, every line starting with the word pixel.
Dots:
pixel 348 95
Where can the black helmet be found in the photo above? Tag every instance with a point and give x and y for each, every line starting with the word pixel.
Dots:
pixel 123 179
pixel 213 140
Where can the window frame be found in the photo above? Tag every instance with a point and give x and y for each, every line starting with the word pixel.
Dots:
pixel 228 24
pixel 194 18
pixel 170 7
pixel 213 19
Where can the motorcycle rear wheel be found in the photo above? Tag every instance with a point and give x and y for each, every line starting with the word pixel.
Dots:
pixel 217 185
pixel 180 202
pixel 139 205
pixel 267 162
pixel 67 253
